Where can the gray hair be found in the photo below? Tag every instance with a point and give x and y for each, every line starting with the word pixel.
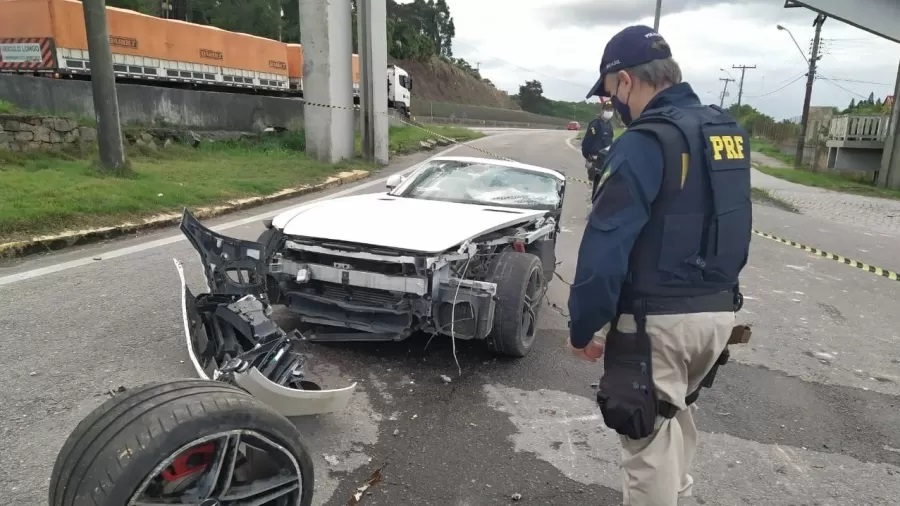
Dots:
pixel 657 73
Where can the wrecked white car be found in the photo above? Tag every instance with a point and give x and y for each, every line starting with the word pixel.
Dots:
pixel 463 247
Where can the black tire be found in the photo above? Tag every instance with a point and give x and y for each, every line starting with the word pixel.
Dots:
pixel 512 272
pixel 119 444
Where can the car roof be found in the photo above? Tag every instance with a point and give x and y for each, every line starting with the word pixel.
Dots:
pixel 502 163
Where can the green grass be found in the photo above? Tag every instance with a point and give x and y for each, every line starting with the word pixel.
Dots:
pixel 767 148
pixel 405 139
pixel 46 193
pixel 832 181
pixel 7 107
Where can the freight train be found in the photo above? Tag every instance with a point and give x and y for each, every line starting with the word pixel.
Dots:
pixel 47 37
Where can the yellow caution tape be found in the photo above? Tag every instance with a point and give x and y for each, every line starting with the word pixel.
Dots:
pixel 837 258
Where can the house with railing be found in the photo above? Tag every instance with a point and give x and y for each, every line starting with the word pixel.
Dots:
pixel 855 142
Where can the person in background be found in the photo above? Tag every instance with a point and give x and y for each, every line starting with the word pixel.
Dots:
pixel 667 238
pixel 598 136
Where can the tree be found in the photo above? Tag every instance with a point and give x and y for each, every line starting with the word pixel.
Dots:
pixel 531 96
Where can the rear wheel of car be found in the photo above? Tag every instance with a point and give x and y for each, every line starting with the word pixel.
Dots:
pixel 520 286
pixel 182 442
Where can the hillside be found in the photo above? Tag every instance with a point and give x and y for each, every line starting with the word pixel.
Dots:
pixel 440 81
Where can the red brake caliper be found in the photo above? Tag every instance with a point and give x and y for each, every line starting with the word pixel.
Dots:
pixel 193 460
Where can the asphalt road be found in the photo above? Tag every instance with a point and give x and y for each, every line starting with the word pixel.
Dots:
pixel 807 413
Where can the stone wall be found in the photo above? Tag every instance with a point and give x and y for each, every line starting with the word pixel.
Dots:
pixel 26 133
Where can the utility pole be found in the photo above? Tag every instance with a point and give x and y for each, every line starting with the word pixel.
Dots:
pixel 725 89
pixel 373 107
pixel 656 17
pixel 741 85
pixel 810 76
pixel 103 85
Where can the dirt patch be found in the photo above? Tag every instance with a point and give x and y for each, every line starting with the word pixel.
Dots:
pixel 763 197
pixel 440 81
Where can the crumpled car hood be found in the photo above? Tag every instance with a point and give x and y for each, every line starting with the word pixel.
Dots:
pixel 378 219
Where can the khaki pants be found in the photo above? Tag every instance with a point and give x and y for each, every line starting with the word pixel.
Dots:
pixel 656 469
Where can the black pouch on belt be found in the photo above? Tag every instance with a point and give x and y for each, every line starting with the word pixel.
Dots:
pixel 627 397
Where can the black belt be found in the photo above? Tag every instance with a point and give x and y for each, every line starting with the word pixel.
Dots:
pixel 717 302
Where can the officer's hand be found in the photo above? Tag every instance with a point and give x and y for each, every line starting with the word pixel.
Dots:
pixel 582 353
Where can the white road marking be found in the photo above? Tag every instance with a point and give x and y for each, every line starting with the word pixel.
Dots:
pixel 72 264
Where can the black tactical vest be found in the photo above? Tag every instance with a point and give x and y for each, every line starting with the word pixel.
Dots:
pixel 698 236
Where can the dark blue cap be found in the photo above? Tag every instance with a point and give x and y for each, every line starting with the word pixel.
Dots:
pixel 631 47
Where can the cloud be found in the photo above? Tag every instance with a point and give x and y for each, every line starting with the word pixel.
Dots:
pixel 515 41
pixel 593 13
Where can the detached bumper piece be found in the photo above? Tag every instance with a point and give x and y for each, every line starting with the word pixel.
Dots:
pixel 230 336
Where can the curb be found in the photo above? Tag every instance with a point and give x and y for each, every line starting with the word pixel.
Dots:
pixel 27 247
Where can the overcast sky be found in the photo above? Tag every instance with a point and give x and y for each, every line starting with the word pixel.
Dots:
pixel 560 43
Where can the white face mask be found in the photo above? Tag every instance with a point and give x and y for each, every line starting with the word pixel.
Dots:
pixel 607 115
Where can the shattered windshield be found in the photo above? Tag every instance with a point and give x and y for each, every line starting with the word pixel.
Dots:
pixel 484 184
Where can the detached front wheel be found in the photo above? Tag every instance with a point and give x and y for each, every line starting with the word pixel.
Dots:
pixel 520 286
pixel 193 442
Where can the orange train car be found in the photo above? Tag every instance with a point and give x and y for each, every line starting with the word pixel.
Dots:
pixel 295 68
pixel 49 36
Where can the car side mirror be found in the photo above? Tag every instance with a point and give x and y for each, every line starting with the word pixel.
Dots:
pixel 394 181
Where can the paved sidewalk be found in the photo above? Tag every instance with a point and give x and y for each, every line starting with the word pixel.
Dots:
pixel 874 214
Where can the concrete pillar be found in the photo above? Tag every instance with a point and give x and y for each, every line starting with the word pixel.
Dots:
pixel 325 33
pixel 889 174
pixel 373 117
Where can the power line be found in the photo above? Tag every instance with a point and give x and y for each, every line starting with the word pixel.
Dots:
pixel 831 82
pixel 795 79
pixel 859 82
pixel 741 86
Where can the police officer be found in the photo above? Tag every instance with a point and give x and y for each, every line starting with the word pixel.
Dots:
pixel 599 135
pixel 666 240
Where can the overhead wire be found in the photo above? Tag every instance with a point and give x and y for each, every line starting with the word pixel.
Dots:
pixel 858 81
pixel 848 90
pixel 794 80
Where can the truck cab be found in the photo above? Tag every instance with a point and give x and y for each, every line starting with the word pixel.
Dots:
pixel 400 86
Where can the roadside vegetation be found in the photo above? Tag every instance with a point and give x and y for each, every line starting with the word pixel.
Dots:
pixel 44 193
pixel 767 148
pixel 836 181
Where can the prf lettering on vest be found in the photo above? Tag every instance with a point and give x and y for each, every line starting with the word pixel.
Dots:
pixel 732 145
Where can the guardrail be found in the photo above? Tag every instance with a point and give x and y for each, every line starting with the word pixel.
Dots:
pixel 851 127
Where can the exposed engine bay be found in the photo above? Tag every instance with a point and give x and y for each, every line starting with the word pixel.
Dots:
pixel 365 293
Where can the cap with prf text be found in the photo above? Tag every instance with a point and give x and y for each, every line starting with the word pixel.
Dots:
pixel 629 48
